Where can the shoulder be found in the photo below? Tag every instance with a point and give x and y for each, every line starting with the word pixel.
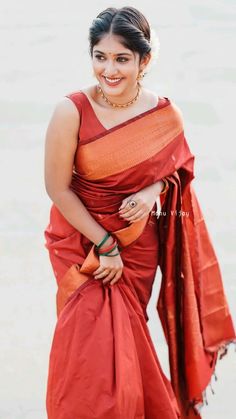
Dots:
pixel 150 97
pixel 175 112
pixel 65 106
pixel 65 115
pixel 172 110
pixel 79 94
pixel 80 97
pixel 156 99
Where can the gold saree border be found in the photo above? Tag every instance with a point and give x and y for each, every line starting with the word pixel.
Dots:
pixel 131 144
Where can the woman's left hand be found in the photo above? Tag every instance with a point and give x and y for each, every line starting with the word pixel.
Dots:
pixel 145 199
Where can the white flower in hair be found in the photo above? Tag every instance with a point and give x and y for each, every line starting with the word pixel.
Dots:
pixel 155 46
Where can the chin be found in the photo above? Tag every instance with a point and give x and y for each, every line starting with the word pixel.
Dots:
pixel 113 90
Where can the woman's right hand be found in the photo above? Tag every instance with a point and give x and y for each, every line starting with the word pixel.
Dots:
pixel 110 268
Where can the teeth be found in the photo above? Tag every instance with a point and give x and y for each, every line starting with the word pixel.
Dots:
pixel 112 80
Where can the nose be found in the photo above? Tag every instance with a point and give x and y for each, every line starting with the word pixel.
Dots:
pixel 110 68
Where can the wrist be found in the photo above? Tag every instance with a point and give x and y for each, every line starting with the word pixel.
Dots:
pixel 158 187
pixel 102 239
pixel 161 185
pixel 109 250
pixel 107 246
pixel 108 242
pixel 114 252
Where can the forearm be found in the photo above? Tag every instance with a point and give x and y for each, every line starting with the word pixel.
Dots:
pixel 75 212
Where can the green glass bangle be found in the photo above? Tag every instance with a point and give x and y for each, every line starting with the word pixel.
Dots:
pixel 103 240
pixel 101 252
pixel 108 253
pixel 115 254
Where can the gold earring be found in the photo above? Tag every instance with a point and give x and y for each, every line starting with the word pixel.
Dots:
pixel 140 75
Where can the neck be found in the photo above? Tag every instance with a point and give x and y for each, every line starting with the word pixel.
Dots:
pixel 119 99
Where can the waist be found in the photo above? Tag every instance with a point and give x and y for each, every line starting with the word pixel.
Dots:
pixel 97 198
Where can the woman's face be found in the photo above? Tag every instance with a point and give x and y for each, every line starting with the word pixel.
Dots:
pixel 116 67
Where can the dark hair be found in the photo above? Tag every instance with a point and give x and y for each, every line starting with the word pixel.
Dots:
pixel 128 23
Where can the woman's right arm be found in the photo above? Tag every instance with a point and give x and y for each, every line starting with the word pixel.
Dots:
pixel 60 148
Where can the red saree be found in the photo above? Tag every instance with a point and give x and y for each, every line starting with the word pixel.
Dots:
pixel 103 363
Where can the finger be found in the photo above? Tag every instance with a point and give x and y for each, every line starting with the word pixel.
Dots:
pixel 116 278
pixel 125 210
pixel 126 214
pixel 127 207
pixel 137 215
pixel 130 211
pixel 124 203
pixel 109 277
pixel 100 269
pixel 102 274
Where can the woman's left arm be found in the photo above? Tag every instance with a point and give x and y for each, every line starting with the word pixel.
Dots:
pixel 145 199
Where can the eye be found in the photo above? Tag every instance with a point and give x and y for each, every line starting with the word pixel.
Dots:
pixel 99 57
pixel 122 59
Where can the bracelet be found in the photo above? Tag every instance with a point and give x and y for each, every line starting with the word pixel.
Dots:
pixel 109 253
pixel 107 235
pixel 115 254
pixel 108 248
pixel 166 186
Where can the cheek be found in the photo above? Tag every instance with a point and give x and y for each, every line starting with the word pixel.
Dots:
pixel 129 70
pixel 97 67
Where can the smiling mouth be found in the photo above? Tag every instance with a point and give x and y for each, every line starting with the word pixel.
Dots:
pixel 112 81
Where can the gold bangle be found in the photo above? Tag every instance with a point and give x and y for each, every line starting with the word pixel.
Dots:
pixel 166 186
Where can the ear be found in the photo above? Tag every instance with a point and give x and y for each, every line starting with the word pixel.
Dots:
pixel 145 60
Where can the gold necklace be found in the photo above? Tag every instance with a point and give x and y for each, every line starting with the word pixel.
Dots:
pixel 118 105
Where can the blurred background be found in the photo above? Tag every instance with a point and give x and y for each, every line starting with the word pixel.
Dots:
pixel 44 56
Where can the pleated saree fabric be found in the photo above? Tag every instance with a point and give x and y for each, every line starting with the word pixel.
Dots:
pixel 103 363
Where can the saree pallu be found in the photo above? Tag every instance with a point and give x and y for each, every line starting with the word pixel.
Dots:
pixel 103 362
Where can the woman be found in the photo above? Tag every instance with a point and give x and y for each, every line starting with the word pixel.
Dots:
pixel 111 150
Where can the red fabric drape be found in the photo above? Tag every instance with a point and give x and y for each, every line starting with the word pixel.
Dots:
pixel 102 362
pixel 191 301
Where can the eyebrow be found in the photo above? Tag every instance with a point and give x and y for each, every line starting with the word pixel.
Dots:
pixel 121 53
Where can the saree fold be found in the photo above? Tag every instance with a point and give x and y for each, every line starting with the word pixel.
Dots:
pixel 103 363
